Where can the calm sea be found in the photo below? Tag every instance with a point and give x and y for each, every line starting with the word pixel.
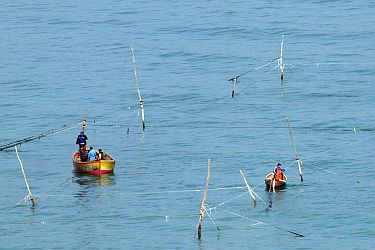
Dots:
pixel 59 59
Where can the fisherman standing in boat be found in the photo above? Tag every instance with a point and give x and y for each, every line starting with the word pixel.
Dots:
pixel 81 140
pixel 278 172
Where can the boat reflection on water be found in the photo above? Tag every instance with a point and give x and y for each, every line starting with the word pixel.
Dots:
pixel 273 196
pixel 95 180
pixel 277 190
pixel 93 187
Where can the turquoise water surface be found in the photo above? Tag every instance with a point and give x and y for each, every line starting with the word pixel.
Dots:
pixel 60 59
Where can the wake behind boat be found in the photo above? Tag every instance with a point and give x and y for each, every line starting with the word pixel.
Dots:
pixel 96 167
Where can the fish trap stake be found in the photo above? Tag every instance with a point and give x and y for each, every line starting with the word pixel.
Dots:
pixel 29 196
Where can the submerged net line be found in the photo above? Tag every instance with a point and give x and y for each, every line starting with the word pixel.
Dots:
pixel 56 187
pixel 100 123
pixel 215 99
pixel 46 194
pixel 133 124
pixel 50 132
pixel 167 217
pixel 161 192
pixel 230 125
pixel 320 168
pixel 24 200
pixel 241 216
pixel 148 193
pixel 340 146
pixel 258 222
pixel 246 192
pixel 39 136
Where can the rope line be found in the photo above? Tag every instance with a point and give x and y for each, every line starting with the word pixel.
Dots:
pixel 257 186
pixel 39 136
pixel 61 184
pixel 314 166
pixel 341 146
pixel 313 128
pixel 234 198
pixel 152 193
pixel 29 196
pixel 111 119
pixel 260 222
pixel 211 217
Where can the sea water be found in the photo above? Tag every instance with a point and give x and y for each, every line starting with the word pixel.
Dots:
pixel 60 59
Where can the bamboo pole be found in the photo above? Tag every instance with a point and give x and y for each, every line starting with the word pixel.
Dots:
pixel 84 121
pixel 29 196
pixel 295 150
pixel 139 92
pixel 234 80
pixel 201 214
pixel 234 86
pixel 248 188
pixel 281 63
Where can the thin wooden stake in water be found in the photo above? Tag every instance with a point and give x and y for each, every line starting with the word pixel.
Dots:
pixel 201 214
pixel 139 92
pixel 234 81
pixel 84 121
pixel 280 61
pixel 248 188
pixel 295 150
pixel 30 196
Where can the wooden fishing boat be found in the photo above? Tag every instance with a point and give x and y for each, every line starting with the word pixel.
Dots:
pixel 278 183
pixel 96 167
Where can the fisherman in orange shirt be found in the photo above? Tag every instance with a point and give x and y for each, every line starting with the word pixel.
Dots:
pixel 278 172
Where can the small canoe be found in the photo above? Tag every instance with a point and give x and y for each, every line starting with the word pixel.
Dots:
pixel 278 184
pixel 96 167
